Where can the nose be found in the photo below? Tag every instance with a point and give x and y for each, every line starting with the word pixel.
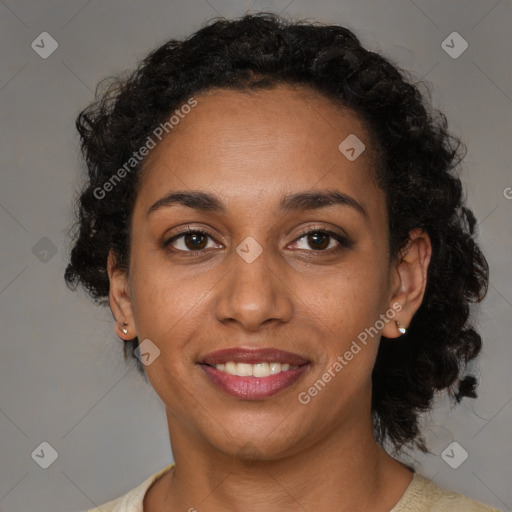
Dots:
pixel 254 292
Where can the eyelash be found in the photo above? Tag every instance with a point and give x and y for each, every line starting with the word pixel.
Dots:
pixel 344 241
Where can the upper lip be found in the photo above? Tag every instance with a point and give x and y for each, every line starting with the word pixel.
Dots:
pixel 253 356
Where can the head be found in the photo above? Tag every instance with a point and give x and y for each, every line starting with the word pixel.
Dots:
pixel 248 124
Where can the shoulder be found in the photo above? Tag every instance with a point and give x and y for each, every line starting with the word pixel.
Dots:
pixel 132 501
pixel 423 495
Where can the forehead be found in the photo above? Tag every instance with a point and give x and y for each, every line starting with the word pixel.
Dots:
pixel 261 144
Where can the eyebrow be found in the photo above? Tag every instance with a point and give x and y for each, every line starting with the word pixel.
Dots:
pixel 207 202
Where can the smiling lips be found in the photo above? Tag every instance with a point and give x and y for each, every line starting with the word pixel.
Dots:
pixel 253 374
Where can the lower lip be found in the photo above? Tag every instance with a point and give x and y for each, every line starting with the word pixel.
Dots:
pixel 253 388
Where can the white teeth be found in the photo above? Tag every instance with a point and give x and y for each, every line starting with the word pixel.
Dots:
pixel 244 370
pixel 275 368
pixel 260 370
pixel 230 368
pixel 255 370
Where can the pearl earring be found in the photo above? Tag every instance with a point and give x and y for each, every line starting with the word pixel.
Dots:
pixel 403 330
pixel 124 329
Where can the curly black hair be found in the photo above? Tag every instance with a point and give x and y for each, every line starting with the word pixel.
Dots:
pixel 417 168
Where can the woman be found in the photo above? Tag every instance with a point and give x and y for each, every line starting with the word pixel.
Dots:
pixel 275 218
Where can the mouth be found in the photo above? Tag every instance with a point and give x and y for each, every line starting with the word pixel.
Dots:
pixel 253 374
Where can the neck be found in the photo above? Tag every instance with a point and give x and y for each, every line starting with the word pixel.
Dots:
pixel 342 473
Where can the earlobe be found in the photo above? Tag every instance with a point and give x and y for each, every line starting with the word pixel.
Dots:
pixel 410 281
pixel 120 300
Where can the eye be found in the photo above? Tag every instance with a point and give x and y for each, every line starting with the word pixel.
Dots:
pixel 191 240
pixel 322 240
pixel 319 239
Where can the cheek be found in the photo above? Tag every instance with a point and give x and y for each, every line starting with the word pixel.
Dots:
pixel 345 316
pixel 161 299
pixel 347 311
pixel 170 305
pixel 349 298
pixel 166 309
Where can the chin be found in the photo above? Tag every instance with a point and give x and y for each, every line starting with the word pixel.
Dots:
pixel 247 440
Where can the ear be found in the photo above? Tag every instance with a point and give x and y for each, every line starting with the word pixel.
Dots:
pixel 408 281
pixel 120 299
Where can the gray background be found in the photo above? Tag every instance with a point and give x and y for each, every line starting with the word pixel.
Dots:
pixel 63 379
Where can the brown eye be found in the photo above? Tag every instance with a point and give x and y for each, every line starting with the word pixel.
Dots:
pixel 190 241
pixel 322 240
pixel 318 240
pixel 194 241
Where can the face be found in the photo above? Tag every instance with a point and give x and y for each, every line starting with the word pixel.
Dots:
pixel 237 269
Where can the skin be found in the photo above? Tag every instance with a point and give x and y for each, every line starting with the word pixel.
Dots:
pixel 249 150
